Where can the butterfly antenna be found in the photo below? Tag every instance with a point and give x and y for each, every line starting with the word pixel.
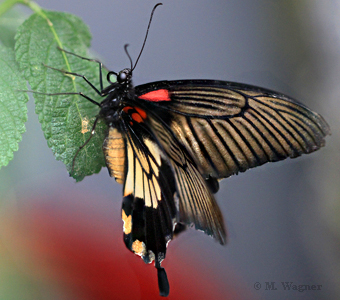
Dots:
pixel 146 35
pixel 127 53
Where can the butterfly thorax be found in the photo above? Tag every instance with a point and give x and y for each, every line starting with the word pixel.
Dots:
pixel 118 94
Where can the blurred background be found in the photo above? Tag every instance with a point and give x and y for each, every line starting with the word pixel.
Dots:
pixel 63 240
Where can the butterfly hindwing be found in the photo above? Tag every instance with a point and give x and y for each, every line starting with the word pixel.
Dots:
pixel 197 205
pixel 231 127
pixel 149 209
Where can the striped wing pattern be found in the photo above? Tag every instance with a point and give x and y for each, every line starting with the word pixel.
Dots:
pixel 197 205
pixel 149 212
pixel 229 127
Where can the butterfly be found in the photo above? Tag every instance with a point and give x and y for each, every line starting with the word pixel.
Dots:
pixel 169 143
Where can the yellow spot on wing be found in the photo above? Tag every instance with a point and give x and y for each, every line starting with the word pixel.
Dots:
pixel 127 226
pixel 138 248
pixel 129 182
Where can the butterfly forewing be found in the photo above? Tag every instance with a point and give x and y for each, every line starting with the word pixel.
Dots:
pixel 230 127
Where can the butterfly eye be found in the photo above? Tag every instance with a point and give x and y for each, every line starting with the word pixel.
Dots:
pixel 124 76
pixel 121 77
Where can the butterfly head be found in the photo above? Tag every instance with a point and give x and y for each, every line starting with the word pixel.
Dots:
pixel 122 78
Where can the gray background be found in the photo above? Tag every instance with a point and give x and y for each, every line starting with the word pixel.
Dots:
pixel 279 215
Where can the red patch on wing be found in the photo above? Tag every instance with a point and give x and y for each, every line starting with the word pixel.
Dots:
pixel 141 112
pixel 156 96
pixel 136 117
pixel 137 114
pixel 127 108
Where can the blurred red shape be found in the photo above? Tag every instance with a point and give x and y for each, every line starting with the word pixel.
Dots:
pixel 78 248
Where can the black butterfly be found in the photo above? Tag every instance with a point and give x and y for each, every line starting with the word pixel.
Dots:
pixel 170 142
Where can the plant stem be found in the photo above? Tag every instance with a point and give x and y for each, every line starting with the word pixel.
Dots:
pixel 7 5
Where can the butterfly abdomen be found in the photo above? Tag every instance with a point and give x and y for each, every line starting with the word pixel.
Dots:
pixel 114 151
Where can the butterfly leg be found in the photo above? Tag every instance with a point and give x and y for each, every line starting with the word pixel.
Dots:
pixel 100 93
pixel 57 94
pixel 89 59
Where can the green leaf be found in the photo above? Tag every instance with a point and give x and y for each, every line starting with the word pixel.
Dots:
pixel 65 119
pixel 13 110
